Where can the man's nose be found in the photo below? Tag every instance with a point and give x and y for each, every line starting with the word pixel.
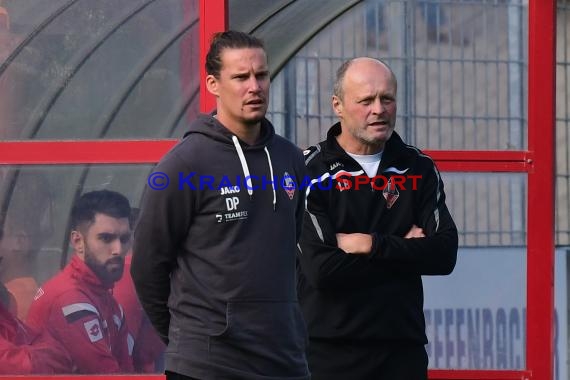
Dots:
pixel 377 106
pixel 116 247
pixel 125 246
pixel 254 84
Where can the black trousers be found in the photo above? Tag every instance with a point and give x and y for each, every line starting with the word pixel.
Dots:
pixel 342 360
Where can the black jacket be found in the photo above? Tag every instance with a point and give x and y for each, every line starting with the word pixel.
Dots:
pixel 221 254
pixel 377 296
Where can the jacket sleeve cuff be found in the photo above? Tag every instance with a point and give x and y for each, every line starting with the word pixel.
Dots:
pixel 375 250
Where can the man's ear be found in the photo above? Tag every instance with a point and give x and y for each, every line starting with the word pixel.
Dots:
pixel 78 243
pixel 212 84
pixel 337 106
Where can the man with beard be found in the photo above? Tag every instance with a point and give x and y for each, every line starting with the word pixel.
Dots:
pixel 76 306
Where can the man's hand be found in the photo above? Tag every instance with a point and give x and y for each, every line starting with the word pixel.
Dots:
pixel 355 244
pixel 415 232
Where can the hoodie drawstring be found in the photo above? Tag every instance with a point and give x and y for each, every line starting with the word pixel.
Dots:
pixel 245 169
pixel 272 178
pixel 244 166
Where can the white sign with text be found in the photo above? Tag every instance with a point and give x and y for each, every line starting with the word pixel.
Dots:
pixel 476 317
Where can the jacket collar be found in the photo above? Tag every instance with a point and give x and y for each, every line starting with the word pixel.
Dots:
pixel 82 273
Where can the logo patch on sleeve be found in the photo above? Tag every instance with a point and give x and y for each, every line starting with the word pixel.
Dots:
pixel 93 330
pixel 38 294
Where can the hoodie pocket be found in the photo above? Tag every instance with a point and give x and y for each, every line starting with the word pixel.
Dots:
pixel 262 337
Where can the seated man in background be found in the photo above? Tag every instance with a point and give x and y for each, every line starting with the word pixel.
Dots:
pixel 76 306
pixel 23 351
pixel 26 219
pixel 16 271
pixel 148 347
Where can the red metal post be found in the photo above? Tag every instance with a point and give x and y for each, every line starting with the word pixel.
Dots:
pixel 541 143
pixel 213 18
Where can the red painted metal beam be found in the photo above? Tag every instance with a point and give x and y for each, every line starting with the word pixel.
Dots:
pixel 83 152
pixel 482 161
pixel 541 142
pixel 480 155
pixel 213 18
pixel 150 151
pixel 481 166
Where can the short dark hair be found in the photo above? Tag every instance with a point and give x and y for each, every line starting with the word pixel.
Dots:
pixel 230 39
pixel 105 202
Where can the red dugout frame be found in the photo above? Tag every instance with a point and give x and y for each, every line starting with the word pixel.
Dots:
pixel 538 162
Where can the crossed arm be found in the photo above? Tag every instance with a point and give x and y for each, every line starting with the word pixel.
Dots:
pixel 361 244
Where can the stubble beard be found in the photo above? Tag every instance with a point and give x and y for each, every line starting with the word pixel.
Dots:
pixel 106 275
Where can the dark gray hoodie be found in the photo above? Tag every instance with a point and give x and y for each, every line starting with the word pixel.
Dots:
pixel 214 255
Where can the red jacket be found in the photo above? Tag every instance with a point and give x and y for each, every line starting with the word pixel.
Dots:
pixel 148 345
pixel 24 352
pixel 81 313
